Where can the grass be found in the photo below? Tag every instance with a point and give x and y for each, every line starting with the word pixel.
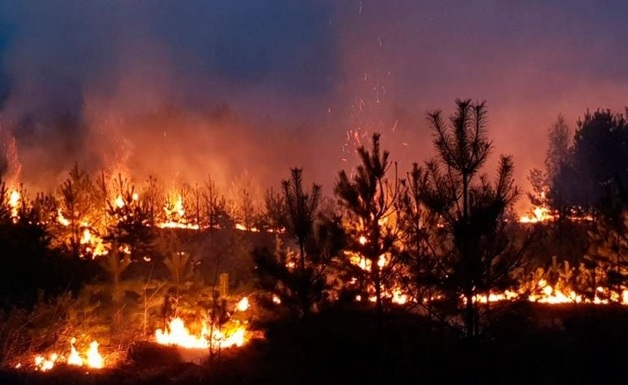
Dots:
pixel 538 344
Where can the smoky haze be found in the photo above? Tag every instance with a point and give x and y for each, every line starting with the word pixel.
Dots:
pixel 241 89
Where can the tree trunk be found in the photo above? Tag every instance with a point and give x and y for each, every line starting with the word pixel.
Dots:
pixel 305 307
pixel 378 298
pixel 467 263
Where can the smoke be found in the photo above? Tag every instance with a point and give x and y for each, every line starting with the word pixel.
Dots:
pixel 240 89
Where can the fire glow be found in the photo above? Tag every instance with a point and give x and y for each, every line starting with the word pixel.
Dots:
pixel 91 358
pixel 210 336
pixel 545 293
pixel 177 334
pixel 538 214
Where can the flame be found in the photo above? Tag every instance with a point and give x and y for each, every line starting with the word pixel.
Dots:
pixel 93 359
pixel 61 219
pixel 178 334
pixel 394 293
pixel 538 214
pixel 558 294
pixel 242 227
pixel 86 237
pixel 174 209
pixel 507 295
pixel 14 204
pixel 75 357
pixel 44 364
pixel 175 216
pixel 94 245
pixel 243 304
pixel 543 214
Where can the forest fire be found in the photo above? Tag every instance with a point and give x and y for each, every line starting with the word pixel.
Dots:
pixel 559 293
pixel 14 204
pixel 209 335
pixel 538 214
pixel 174 215
pixel 91 358
pixel 177 334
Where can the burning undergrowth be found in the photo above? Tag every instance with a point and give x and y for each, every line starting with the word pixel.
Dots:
pixel 163 266
pixel 182 268
pixel 42 341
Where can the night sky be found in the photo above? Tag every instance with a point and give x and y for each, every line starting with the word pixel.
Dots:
pixel 316 69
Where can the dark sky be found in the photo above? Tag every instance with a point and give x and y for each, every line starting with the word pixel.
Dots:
pixel 320 70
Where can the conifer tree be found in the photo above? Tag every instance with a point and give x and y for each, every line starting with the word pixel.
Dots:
pixel 368 198
pixel 480 252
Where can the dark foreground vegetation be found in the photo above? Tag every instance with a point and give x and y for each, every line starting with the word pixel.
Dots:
pixel 540 344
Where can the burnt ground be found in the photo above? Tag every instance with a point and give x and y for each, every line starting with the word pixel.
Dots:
pixel 535 345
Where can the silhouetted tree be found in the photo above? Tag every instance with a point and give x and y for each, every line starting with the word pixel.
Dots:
pixel 299 215
pixel 424 254
pixel 608 240
pixel 564 239
pixel 298 280
pixel 76 210
pixel 474 211
pixel 368 198
pixel 130 227
pixel 546 192
pixel 214 206
pixel 115 263
pixel 30 270
pixel 152 198
pixel 273 210
pixel 599 157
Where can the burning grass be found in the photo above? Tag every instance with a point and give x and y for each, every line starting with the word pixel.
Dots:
pixel 535 343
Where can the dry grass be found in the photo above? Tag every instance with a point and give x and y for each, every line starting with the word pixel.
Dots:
pixel 540 345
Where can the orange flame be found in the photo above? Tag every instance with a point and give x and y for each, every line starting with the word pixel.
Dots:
pixel 14 204
pixel 178 334
pixel 93 359
pixel 538 214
